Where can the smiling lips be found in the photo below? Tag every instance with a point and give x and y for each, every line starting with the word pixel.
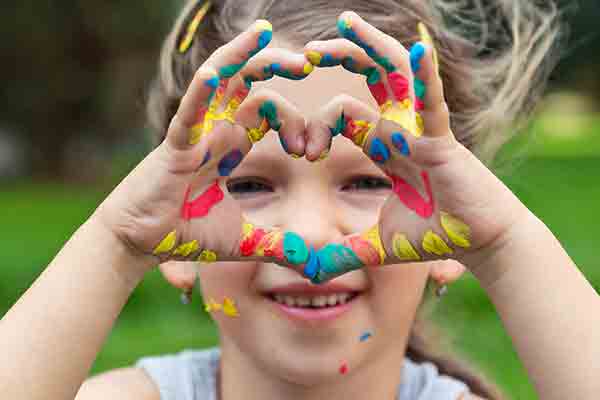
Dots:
pixel 309 303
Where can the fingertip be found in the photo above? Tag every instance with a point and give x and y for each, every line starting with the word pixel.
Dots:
pixel 266 32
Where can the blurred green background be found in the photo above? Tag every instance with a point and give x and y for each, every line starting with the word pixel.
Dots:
pixel 74 78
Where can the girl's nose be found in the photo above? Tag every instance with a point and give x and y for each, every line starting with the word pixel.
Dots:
pixel 314 217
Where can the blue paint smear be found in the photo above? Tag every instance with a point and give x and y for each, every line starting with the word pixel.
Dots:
pixel 230 162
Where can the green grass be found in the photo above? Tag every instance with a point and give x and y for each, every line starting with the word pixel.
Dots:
pixel 558 181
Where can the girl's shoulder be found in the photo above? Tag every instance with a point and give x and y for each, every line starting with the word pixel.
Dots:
pixel 123 383
pixel 191 375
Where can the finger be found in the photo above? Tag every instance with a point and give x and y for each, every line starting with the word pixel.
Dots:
pixel 334 52
pixel 192 108
pixel 397 104
pixel 229 59
pixel 275 62
pixel 342 115
pixel 266 110
pixel 430 93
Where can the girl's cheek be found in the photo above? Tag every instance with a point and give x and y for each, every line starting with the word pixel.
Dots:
pixel 226 279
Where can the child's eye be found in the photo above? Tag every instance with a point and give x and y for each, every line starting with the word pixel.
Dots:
pixel 367 183
pixel 248 186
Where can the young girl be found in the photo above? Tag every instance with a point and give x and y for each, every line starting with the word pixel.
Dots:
pixel 400 189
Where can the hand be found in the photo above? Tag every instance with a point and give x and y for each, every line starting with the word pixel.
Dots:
pixel 446 203
pixel 174 205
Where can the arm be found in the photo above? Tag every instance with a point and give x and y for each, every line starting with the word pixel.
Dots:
pixel 549 309
pixel 122 384
pixel 54 332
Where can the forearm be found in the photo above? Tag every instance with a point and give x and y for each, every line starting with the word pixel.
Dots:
pixel 550 311
pixel 51 336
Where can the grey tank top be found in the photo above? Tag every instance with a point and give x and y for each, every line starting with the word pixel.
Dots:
pixel 192 375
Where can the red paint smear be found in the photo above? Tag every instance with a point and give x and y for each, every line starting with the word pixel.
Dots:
pixel 399 86
pixel 343 368
pixel 419 105
pixel 249 244
pixel 201 113
pixel 241 94
pixel 411 198
pixel 202 205
pixel 349 129
pixel 275 250
pixel 379 93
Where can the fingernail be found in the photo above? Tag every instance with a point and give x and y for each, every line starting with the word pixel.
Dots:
pixel 378 151
pixel 417 51
pixel 400 143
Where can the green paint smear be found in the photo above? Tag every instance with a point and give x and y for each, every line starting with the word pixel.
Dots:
pixel 294 248
pixel 336 259
pixel 230 70
pixel 268 110
pixel 420 89
pixel 340 125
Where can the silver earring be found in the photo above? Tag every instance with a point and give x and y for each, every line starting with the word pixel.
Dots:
pixel 441 290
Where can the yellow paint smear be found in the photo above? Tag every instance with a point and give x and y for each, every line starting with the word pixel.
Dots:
pixel 229 308
pixel 427 39
pixel 372 236
pixel 207 256
pixel 458 232
pixel 434 244
pixel 211 306
pixel 186 249
pixel 403 249
pixel 166 244
pixel 314 57
pixel 402 114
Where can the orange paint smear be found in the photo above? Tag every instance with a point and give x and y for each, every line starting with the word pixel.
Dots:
pixel 201 206
pixel 364 250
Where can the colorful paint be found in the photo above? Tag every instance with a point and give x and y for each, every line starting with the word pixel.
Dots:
pixel 268 111
pixel 186 249
pixel 312 267
pixel 434 244
pixel 346 31
pixel 372 236
pixel 399 85
pixel 276 69
pixel 343 368
pixel 379 92
pixel 207 157
pixel 270 245
pixel 228 307
pixel 358 131
pixel 402 113
pixel 201 206
pixel 365 336
pixel 411 198
pixel 340 125
pixel 403 249
pixel 207 256
pixel 208 116
pixel 417 51
pixel 230 162
pixel 187 40
pixel 427 39
pixel 458 232
pixel 264 38
pixel 256 134
pixel 167 244
pixel 378 151
pixel 335 260
pixel 400 143
pixel 294 248
pixel 364 250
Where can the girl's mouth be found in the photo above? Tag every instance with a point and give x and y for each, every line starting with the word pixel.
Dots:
pixel 313 304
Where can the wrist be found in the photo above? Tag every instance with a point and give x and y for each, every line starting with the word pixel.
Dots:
pixel 128 263
pixel 516 248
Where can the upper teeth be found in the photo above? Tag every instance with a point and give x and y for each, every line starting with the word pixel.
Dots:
pixel 314 301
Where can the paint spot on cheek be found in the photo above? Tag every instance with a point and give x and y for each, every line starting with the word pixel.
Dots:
pixel 201 206
pixel 378 151
pixel 411 198
pixel 400 143
pixel 399 85
pixel 343 368
pixel 230 162
pixel 365 336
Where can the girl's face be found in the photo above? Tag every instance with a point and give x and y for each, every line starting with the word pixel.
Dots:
pixel 305 342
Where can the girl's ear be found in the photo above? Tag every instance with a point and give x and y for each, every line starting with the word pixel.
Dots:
pixel 182 275
pixel 446 271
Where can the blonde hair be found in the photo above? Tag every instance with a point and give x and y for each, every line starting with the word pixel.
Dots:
pixel 495 57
